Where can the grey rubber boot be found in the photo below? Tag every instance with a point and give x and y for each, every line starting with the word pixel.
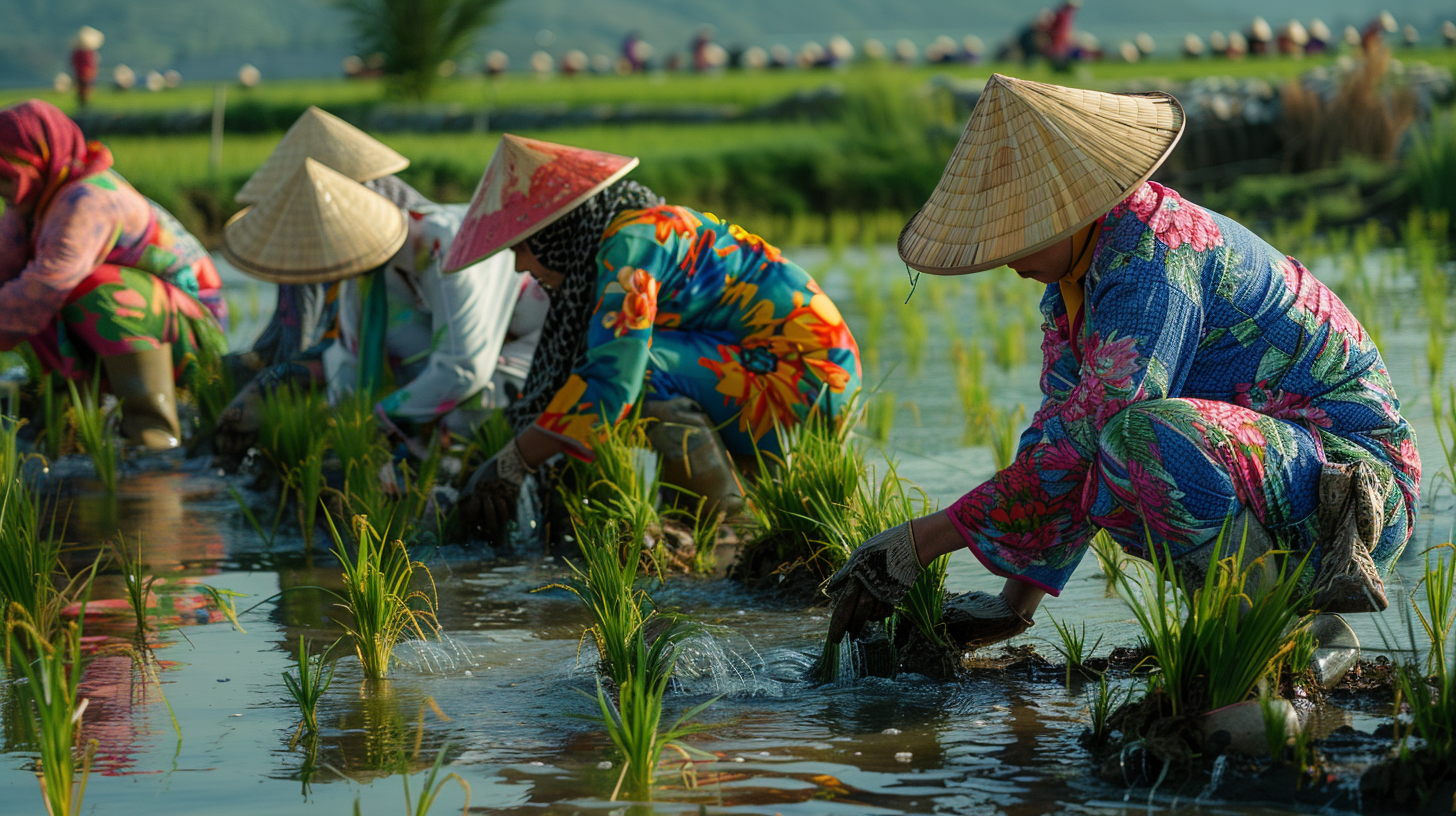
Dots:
pixel 143 382
pixel 694 459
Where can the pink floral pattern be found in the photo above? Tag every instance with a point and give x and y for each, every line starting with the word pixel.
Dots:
pixel 1213 374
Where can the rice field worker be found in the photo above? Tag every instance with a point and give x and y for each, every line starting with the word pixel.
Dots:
pixel 92 272
pixel 721 336
pixel 432 348
pixel 1192 374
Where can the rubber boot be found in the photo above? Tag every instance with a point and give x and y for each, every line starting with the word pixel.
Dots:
pixel 694 460
pixel 142 381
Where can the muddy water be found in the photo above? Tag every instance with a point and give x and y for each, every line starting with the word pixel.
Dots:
pixel 515 682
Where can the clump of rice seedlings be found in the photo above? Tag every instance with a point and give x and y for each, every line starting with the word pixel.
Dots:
pixel 379 597
pixel 1073 646
pixel 52 674
pixel 914 336
pixel 817 476
pixel 307 481
pixel 1428 692
pixel 138 585
pixel 211 388
pixel 291 438
pixel 309 685
pixel 621 613
pixel 879 416
pixel 1005 434
pixel 634 722
pixel 356 439
pixel 706 524
pixel 1276 728
pixel 623 484
pixel 490 436
pixel 1103 700
pixel 1213 643
pixel 1011 344
pixel 1445 417
pixel 29 557
pixel 844 525
pixel 974 393
pixel 924 605
pixel 93 426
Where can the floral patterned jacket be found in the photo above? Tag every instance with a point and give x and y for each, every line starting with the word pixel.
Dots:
pixel 1180 302
pixel 774 341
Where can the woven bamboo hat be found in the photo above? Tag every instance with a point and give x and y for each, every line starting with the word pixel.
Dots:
pixel 527 186
pixel 88 38
pixel 1036 163
pixel 324 137
pixel 317 227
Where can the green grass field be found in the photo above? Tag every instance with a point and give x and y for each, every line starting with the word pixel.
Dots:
pixel 738 87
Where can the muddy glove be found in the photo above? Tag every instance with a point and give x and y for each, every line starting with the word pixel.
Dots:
pixel 488 502
pixel 979 619
pixel 876 577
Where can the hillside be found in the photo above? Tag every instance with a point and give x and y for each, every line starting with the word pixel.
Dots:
pixel 209 38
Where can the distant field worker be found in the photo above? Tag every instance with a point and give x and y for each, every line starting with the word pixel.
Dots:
pixel 1192 374
pixel 85 61
pixel 91 270
pixel 712 323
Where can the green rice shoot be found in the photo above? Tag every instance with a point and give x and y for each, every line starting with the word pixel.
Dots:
pixel 93 428
pixel 378 594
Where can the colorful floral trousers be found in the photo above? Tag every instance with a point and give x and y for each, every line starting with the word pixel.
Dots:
pixel 118 309
pixel 1170 472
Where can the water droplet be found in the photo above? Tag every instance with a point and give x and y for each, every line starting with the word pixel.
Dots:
pixel 891 732
pixel 604 765
pixel 903 756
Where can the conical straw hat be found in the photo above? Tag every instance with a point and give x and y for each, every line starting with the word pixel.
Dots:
pixel 88 38
pixel 324 137
pixel 528 185
pixel 317 227
pixel 1036 163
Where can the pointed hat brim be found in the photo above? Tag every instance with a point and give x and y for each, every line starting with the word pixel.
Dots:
pixel 318 227
pixel 529 185
pixel 326 138
pixel 1037 163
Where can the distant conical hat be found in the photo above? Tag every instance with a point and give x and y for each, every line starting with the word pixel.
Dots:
pixel 324 137
pixel 88 38
pixel 528 185
pixel 1036 163
pixel 317 227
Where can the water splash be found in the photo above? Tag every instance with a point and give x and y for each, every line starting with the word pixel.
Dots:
pixel 719 662
pixel 443 656
pixel 526 532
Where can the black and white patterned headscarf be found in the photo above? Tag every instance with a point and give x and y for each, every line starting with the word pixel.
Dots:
pixel 570 246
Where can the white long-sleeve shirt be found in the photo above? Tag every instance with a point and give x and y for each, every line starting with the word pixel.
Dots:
pixel 446 333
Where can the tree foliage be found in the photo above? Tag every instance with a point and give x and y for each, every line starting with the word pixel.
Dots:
pixel 416 36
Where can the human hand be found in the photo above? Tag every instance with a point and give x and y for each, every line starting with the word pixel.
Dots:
pixel 487 505
pixel 238 427
pixel 980 619
pixel 867 588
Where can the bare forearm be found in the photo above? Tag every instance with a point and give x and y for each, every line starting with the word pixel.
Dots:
pixel 537 446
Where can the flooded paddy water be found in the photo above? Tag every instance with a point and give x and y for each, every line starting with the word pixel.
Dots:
pixel 518 685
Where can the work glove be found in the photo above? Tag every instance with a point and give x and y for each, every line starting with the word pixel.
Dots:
pixel 238 426
pixel 487 505
pixel 867 588
pixel 978 619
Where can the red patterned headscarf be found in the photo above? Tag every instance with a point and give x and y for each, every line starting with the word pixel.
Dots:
pixel 42 150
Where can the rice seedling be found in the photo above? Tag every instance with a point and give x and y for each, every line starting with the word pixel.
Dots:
pixel 93 426
pixel 1427 693
pixel 490 436
pixel 707 521
pixel 869 301
pixel 310 684
pixel 1072 646
pixel 914 336
pixel 291 419
pixel 974 393
pixel 1212 643
pixel 226 603
pixel 211 389
pixel 29 559
pixel 622 486
pixel 634 721
pixel 879 416
pixel 52 674
pixel 1276 728
pixel 1005 434
pixel 53 417
pixel 433 785
pixel 1010 350
pixel 800 491
pixel 138 585
pixel 924 605
pixel 379 597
